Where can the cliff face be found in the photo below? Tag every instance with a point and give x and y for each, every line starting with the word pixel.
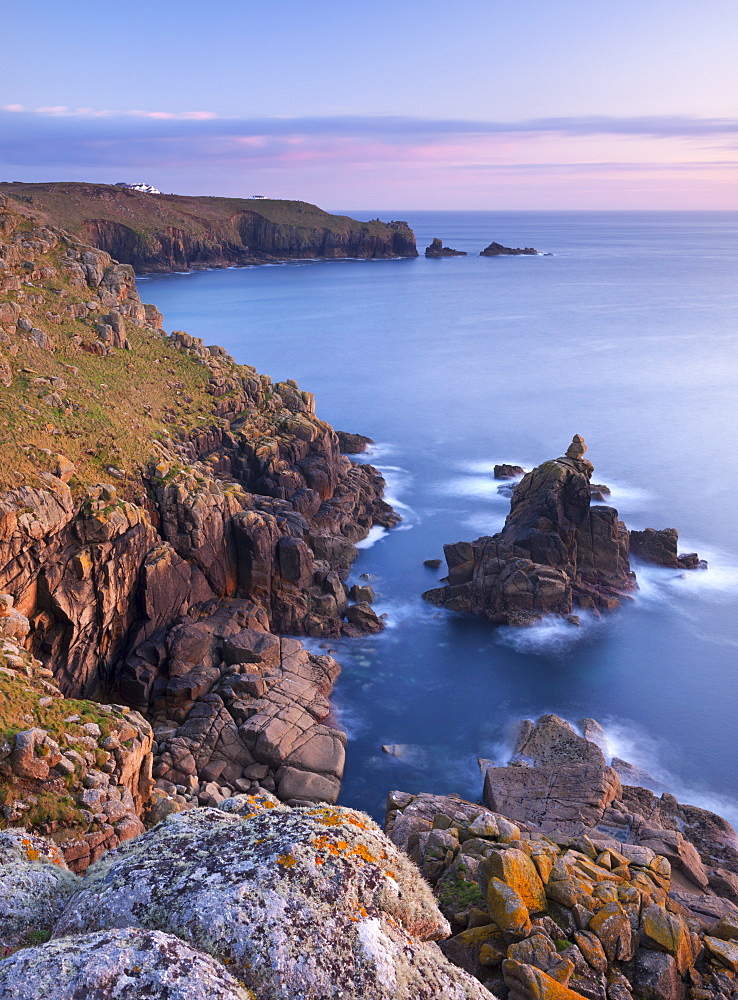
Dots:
pixel 170 232
pixel 165 512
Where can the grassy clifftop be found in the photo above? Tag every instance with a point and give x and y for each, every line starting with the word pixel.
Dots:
pixel 161 232
pixel 85 370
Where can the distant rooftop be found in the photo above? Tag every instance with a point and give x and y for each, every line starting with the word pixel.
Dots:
pixel 258 197
pixel 146 188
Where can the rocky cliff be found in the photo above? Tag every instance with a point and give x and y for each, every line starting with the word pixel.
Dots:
pixel 171 232
pixel 556 551
pixel 165 513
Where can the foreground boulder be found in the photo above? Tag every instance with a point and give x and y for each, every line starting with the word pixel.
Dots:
pixel 128 964
pixel 309 903
pixel 35 885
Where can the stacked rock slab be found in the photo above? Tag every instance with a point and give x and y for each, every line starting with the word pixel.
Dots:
pixel 571 885
pixel 77 772
pixel 236 708
pixel 555 551
pixel 251 900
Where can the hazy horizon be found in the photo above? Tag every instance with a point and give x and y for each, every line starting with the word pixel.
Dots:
pixel 483 107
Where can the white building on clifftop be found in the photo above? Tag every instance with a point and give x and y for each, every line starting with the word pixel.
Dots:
pixel 146 188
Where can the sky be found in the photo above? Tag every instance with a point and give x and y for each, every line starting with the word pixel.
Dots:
pixel 416 104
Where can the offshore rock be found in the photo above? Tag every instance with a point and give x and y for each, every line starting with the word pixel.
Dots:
pixel 498 250
pixel 353 444
pixel 506 471
pixel 311 902
pixel 554 551
pixel 437 249
pixel 660 547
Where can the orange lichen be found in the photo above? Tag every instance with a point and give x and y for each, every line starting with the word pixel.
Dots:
pixel 33 854
pixel 330 817
pixel 286 860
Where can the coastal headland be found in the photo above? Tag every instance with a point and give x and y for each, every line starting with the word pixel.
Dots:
pixel 168 232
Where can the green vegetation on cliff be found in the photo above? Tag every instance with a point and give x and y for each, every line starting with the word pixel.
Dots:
pixel 74 384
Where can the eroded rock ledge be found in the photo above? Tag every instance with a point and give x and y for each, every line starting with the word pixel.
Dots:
pixel 570 883
pixel 555 552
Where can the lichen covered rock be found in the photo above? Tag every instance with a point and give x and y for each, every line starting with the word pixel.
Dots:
pixel 35 884
pixel 310 902
pixel 127 964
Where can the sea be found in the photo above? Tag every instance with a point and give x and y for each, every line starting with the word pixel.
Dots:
pixel 628 335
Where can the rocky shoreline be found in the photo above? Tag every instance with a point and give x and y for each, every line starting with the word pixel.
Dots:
pixel 169 765
pixel 572 883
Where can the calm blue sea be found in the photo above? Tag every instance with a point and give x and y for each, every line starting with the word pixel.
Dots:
pixel 627 335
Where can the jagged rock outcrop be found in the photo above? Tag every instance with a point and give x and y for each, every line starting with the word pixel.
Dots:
pixel 236 708
pixel 555 551
pixel 311 903
pixel 577 886
pixel 498 250
pixel 437 249
pixel 170 232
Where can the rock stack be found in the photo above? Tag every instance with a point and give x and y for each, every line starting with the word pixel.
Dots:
pixel 555 551
pixel 437 249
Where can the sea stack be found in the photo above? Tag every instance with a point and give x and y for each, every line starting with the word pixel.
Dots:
pixel 554 551
pixel 437 249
